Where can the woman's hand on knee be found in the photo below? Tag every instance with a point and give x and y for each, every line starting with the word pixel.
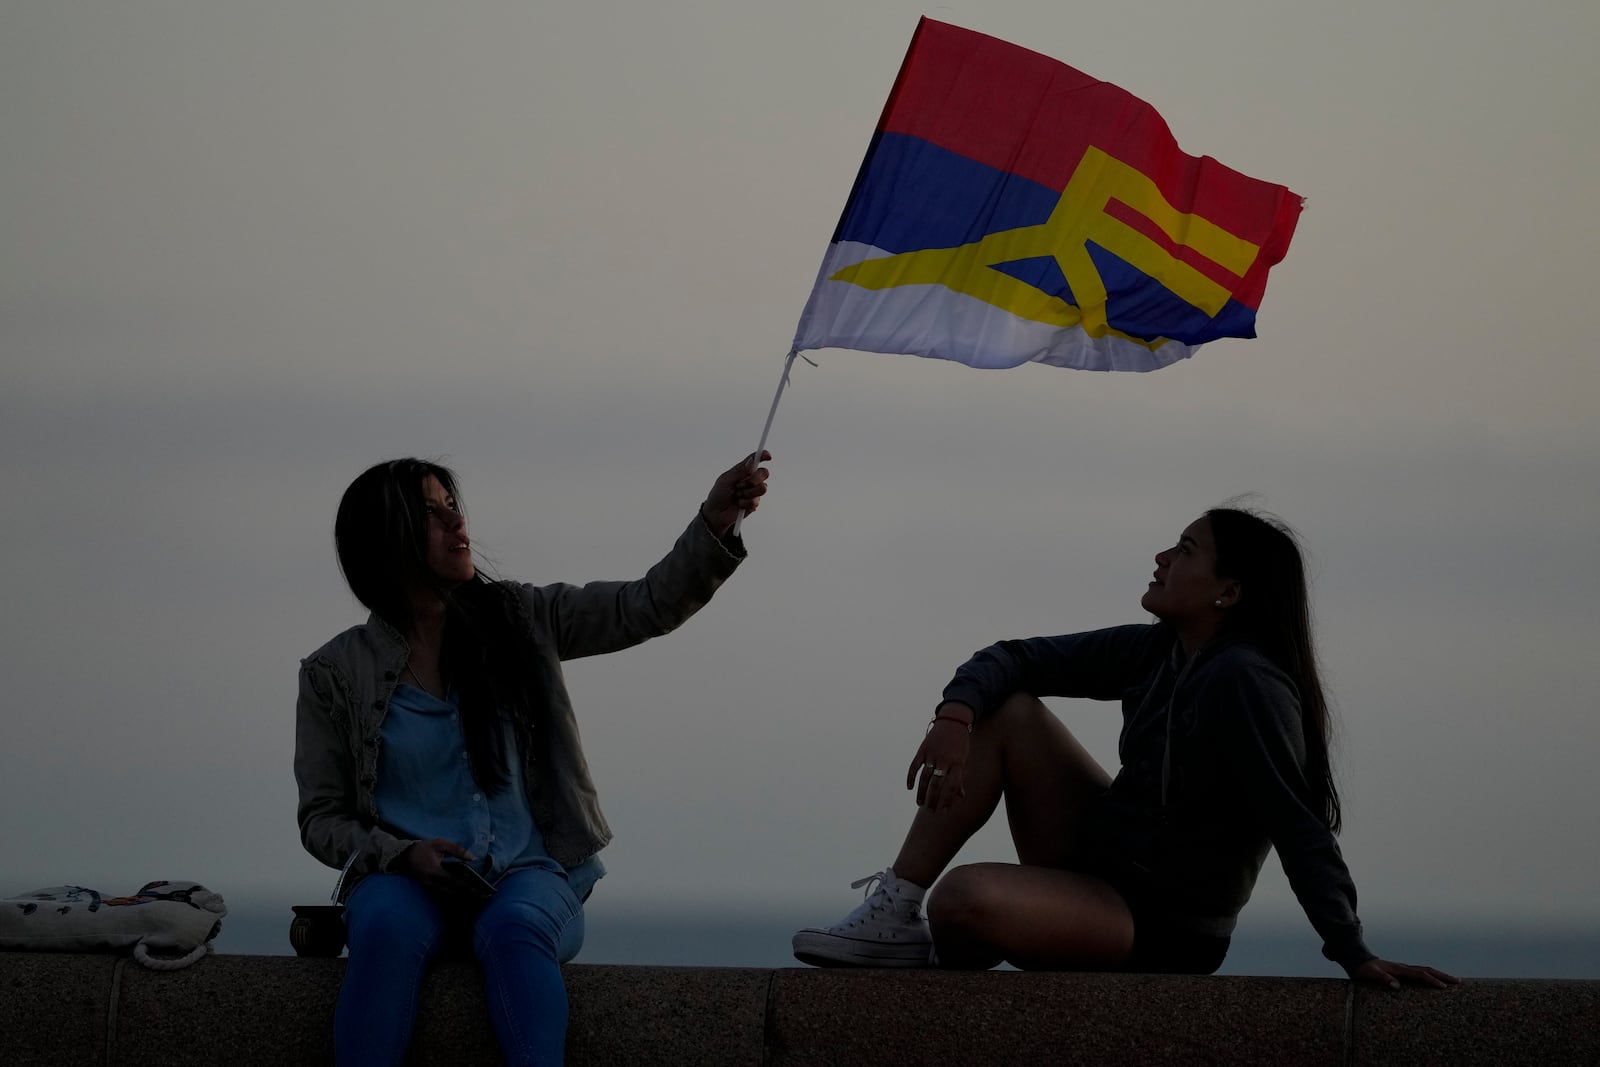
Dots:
pixel 938 771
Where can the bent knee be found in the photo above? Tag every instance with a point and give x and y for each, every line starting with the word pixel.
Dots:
pixel 388 931
pixel 1018 710
pixel 384 901
pixel 964 899
pixel 544 925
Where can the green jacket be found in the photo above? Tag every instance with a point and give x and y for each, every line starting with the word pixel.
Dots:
pixel 345 687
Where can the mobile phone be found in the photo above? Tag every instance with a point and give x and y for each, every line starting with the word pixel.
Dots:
pixel 467 879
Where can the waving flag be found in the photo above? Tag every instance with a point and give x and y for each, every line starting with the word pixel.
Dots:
pixel 1012 209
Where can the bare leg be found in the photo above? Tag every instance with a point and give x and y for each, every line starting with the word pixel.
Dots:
pixel 1032 917
pixel 1041 913
pixel 1022 752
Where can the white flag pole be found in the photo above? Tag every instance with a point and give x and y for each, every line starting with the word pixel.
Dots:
pixel 783 380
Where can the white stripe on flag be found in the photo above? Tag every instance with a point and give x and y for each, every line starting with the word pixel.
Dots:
pixel 932 321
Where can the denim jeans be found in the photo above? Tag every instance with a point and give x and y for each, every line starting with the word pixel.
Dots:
pixel 394 928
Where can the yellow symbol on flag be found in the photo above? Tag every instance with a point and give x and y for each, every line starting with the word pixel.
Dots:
pixel 1078 218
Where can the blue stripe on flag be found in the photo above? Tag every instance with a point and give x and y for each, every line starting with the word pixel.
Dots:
pixel 912 194
pixel 1139 305
pixel 1041 272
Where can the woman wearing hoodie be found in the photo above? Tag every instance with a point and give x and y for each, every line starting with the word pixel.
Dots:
pixel 1224 752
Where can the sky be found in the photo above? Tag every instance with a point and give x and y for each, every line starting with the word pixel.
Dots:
pixel 248 250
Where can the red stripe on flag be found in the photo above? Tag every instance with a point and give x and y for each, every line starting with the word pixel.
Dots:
pixel 1135 220
pixel 1030 115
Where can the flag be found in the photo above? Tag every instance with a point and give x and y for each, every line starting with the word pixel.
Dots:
pixel 1011 209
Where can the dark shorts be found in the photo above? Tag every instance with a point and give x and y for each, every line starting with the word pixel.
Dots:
pixel 1162 943
pixel 1161 948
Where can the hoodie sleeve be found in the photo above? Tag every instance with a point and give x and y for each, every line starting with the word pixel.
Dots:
pixel 1098 664
pixel 1266 751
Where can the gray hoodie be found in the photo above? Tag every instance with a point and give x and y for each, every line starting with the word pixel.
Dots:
pixel 1213 772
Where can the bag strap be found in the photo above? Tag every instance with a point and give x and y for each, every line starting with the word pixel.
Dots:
pixel 162 963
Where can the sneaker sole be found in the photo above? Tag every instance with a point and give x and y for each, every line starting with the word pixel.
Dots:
pixel 830 950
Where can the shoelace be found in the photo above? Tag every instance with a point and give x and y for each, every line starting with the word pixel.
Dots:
pixel 873 882
pixel 878 885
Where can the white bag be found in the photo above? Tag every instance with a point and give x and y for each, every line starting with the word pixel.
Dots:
pixel 168 925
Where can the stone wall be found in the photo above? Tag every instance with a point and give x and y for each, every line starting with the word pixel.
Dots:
pixel 274 1011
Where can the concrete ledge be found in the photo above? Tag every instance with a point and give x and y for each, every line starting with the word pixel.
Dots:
pixel 275 1011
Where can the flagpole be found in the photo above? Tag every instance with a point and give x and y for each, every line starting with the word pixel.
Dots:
pixel 783 380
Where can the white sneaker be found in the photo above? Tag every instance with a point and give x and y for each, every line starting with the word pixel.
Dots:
pixel 886 930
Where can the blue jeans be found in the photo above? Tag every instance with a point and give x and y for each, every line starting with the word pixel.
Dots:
pixel 521 937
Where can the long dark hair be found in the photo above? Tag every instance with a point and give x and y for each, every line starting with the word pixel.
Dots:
pixel 379 535
pixel 1262 553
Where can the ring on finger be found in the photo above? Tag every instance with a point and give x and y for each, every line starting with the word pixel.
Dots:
pixel 938 772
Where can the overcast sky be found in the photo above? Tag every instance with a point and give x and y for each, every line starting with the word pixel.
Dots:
pixel 248 250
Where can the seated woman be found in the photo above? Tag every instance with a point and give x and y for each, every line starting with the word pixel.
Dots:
pixel 1224 751
pixel 436 750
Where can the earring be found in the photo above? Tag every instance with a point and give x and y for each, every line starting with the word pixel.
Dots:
pixel 1218 603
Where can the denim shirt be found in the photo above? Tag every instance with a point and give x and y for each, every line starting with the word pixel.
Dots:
pixel 347 684
pixel 426 789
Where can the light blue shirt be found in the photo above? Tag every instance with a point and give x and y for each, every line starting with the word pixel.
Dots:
pixel 425 789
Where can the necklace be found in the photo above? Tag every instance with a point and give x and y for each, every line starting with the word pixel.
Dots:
pixel 417 678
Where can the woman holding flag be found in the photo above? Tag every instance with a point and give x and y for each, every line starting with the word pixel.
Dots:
pixel 438 759
pixel 1224 750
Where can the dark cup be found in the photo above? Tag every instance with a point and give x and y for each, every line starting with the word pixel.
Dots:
pixel 317 930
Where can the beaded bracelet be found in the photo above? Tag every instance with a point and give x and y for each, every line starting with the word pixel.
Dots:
pixel 950 718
